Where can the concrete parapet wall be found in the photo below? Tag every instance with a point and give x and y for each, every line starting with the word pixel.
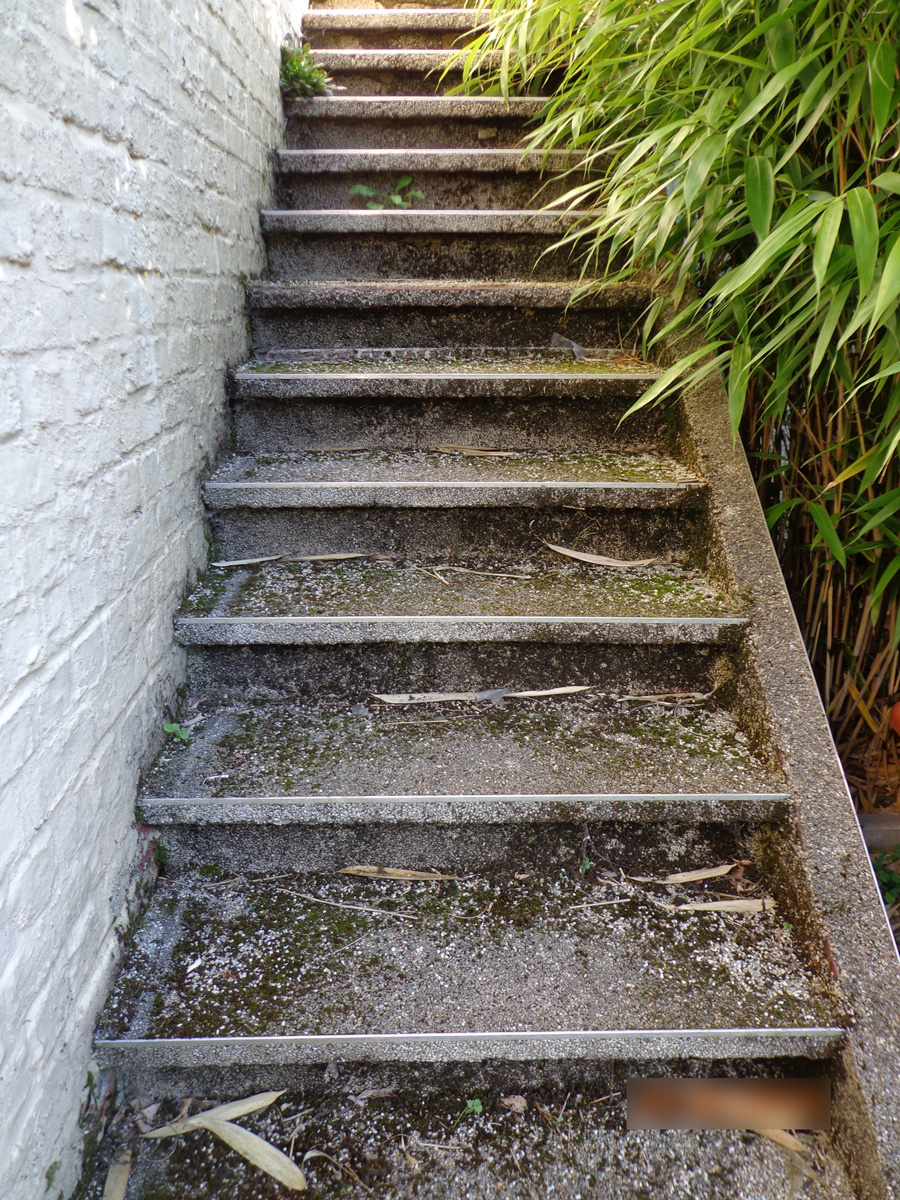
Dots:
pixel 134 155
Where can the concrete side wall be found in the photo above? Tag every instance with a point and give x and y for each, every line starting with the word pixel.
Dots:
pixel 134 154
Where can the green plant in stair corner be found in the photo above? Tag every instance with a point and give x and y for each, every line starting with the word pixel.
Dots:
pixel 886 873
pixel 473 1109
pixel 177 731
pixel 299 74
pixel 400 196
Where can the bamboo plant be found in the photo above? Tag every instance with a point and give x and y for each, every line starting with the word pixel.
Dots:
pixel 748 153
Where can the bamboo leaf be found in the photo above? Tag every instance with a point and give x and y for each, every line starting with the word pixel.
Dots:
pixel 888 181
pixel 864 227
pixel 759 192
pixel 260 1153
pixel 701 164
pixel 882 63
pixel 889 287
pixel 738 378
pixel 825 526
pixel 829 226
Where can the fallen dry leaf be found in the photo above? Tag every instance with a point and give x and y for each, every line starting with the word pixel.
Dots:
pixel 247 562
pixel 781 1137
pixel 894 720
pixel 735 906
pixel 257 1151
pixel 324 557
pixel 490 694
pixel 116 1183
pixel 688 876
pixel 412 1162
pixel 515 1104
pixel 222 1112
pixel 598 560
pixel 393 873
pixel 476 451
pixel 373 1094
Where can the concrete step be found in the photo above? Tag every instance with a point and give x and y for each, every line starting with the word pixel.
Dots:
pixel 396 1126
pixel 322 832
pixel 470 524
pixel 432 588
pixel 392 72
pixel 318 970
pixel 416 400
pixel 395 29
pixel 376 5
pixel 356 244
pixel 432 312
pixel 449 179
pixel 408 122
pixel 281 721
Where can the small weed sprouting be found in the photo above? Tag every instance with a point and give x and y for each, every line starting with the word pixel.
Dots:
pixel 299 74
pixel 888 878
pixel 177 731
pixel 400 196
pixel 586 865
pixel 473 1109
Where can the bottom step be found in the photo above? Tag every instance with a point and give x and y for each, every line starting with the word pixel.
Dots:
pixel 536 1131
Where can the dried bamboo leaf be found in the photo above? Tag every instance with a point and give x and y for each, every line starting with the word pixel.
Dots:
pixel 423 697
pixel 393 873
pixel 247 562
pixel 558 691
pixel 400 914
pixel 258 1151
pixel 598 560
pixel 324 557
pixel 476 451
pixel 781 1137
pixel 734 906
pixel 117 1176
pixel 222 1112
pixel 702 873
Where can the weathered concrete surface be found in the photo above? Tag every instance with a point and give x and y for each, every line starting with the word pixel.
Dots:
pixel 861 949
pixel 420 122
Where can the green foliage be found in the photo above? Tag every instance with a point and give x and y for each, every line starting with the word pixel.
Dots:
pixel 176 730
pixel 299 74
pixel 888 880
pixel 747 154
pixel 473 1109
pixel 399 196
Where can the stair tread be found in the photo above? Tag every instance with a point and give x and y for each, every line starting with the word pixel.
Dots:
pixel 408 1138
pixel 460 362
pixel 638 477
pixel 401 108
pixel 475 944
pixel 418 220
pixel 385 60
pixel 440 293
pixel 570 745
pixel 368 18
pixel 413 162
pixel 349 589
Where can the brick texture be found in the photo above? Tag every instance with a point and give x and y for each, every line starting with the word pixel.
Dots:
pixel 134 155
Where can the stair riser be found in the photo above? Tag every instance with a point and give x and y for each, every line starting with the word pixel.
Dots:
pixel 281 329
pixel 346 675
pixel 461 535
pixel 301 133
pixel 387 39
pixel 282 426
pixel 395 82
pixel 442 189
pixel 426 256
pixel 147 1073
pixel 452 849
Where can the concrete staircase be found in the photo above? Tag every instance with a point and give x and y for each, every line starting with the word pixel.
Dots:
pixel 548 959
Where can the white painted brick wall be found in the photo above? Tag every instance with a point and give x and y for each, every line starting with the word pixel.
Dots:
pixel 134 155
